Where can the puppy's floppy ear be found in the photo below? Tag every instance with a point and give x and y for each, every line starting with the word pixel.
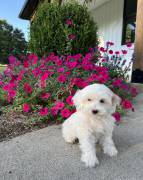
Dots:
pixel 116 100
pixel 77 99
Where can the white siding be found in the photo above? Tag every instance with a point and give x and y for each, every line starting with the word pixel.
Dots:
pixel 109 18
pixel 95 3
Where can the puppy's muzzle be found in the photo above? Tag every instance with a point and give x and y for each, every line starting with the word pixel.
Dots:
pixel 95 111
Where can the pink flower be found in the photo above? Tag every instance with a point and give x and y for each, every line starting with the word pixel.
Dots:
pixel 73 111
pixel 27 88
pixel 12 59
pixel 35 61
pixel 6 87
pixel 19 78
pixel 36 72
pixel 124 51
pixel 71 36
pixel 69 100
pixel 129 45
pixel 9 86
pixel 65 113
pixel 117 116
pixel 102 49
pixel 12 93
pixel 1 83
pixel 84 84
pixel 77 56
pixel 126 104
pixel 43 111
pixel 90 49
pixel 26 107
pixel 102 79
pixel 124 86
pixel 33 58
pixel 76 81
pixel 110 43
pixel 45 96
pixel 51 67
pixel 117 82
pixel 20 75
pixel 44 76
pixel 61 78
pixel 54 111
pixel 60 70
pixel 88 56
pixel 72 65
pixel 69 57
pixel 134 92
pixel 18 63
pixel 12 83
pixel 69 22
pixel 117 52
pixel 92 78
pixel 103 76
pixel 104 60
pixel 67 73
pixel 110 51
pixel 87 66
pixel 26 64
pixel 59 105
pixel 59 62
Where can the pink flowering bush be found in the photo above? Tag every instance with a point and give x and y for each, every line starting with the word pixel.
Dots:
pixel 45 87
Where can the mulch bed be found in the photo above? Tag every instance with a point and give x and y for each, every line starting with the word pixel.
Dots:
pixel 15 124
pixel 11 127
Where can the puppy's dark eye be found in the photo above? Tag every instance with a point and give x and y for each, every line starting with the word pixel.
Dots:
pixel 89 99
pixel 102 100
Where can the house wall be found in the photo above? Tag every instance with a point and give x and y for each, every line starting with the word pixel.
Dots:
pixel 109 18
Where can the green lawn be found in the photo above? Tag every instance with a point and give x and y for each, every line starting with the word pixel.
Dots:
pixel 2 68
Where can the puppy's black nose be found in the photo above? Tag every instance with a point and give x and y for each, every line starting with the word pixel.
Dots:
pixel 95 111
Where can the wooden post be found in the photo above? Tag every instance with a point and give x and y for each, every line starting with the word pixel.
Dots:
pixel 138 63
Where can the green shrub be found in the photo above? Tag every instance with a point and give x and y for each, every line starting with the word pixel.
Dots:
pixel 66 29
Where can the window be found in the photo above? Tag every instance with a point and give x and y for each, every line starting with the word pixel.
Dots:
pixel 129 21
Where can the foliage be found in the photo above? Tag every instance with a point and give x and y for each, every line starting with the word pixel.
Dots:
pixel 44 87
pixel 11 41
pixel 66 29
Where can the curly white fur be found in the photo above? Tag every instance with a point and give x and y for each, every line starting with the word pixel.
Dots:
pixel 92 122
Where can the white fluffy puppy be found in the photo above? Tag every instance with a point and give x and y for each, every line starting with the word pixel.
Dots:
pixel 92 122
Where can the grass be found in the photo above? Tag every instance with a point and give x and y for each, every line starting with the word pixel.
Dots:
pixel 2 67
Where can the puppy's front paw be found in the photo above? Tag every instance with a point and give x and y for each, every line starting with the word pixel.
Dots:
pixel 89 160
pixel 111 151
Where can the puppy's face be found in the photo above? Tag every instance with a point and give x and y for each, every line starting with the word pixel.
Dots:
pixel 96 100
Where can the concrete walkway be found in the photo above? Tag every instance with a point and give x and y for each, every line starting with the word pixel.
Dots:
pixel 43 155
